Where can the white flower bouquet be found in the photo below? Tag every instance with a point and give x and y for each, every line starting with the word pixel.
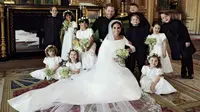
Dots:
pixel 49 72
pixel 65 72
pixel 85 42
pixel 150 42
pixel 122 54
pixel 81 44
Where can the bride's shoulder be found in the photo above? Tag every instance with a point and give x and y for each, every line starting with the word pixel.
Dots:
pixel 123 37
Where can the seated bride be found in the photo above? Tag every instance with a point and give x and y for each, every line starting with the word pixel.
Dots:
pixel 107 86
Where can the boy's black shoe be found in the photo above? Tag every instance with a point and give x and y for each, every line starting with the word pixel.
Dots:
pixel 190 77
pixel 184 76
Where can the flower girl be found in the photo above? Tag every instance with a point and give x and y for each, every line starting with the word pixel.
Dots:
pixel 73 65
pixel 157 45
pixel 85 37
pixel 67 33
pixel 152 80
pixel 52 63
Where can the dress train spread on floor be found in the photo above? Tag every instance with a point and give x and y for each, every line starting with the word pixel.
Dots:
pixel 107 82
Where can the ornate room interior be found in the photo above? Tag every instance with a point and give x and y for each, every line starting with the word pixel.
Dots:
pixel 17 60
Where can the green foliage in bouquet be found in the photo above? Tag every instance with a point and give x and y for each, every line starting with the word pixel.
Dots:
pixel 85 42
pixel 66 24
pixel 122 54
pixel 49 72
pixel 65 72
pixel 150 42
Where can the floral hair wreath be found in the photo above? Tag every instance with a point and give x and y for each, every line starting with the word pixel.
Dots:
pixel 82 19
pixel 153 55
pixel 67 11
pixel 50 46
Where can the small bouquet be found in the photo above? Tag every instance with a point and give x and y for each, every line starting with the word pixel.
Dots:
pixel 77 45
pixel 150 42
pixel 85 42
pixel 66 24
pixel 122 54
pixel 65 72
pixel 49 72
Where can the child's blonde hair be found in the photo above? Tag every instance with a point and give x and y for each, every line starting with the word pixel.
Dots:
pixel 51 48
pixel 73 50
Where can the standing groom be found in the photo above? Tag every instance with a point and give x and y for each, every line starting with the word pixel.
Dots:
pixel 101 24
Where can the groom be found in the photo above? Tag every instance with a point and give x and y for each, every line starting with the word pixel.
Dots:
pixel 101 24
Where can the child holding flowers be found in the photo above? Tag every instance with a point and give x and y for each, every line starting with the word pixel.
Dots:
pixel 157 45
pixel 73 65
pixel 86 44
pixel 52 63
pixel 67 33
pixel 152 80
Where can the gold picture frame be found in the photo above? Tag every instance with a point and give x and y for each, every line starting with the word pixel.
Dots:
pixel 93 13
pixel 13 10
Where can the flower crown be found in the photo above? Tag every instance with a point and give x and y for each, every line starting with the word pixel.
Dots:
pixel 67 11
pixel 153 55
pixel 82 19
pixel 50 46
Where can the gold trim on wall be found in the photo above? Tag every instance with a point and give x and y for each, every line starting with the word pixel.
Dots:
pixel 3 42
pixel 150 11
pixel 97 10
pixel 9 2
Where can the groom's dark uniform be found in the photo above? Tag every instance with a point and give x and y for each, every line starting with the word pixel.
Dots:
pixel 101 24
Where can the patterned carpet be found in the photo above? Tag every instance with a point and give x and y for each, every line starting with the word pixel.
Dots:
pixel 18 82
pixel 188 97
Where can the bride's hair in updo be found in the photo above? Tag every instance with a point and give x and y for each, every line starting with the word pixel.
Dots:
pixel 119 23
pixel 116 22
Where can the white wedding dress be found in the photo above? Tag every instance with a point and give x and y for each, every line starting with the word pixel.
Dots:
pixel 107 82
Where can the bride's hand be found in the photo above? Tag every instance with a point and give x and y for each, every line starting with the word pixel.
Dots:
pixel 117 59
pixel 129 49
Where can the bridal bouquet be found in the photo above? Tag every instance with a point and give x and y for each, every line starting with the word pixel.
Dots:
pixel 65 72
pixel 49 72
pixel 150 42
pixel 122 54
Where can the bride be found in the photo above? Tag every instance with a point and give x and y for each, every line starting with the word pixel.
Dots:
pixel 106 84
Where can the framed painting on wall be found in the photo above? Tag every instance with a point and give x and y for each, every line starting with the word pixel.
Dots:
pixel 93 13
